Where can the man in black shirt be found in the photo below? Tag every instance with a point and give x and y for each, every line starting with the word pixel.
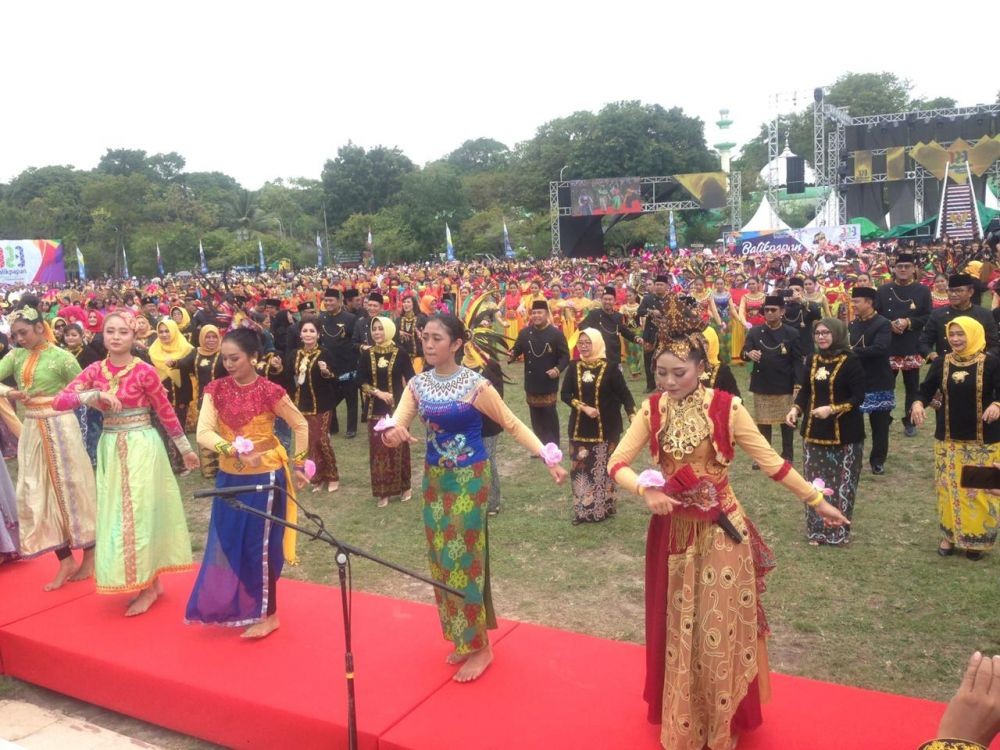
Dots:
pixel 611 326
pixel 336 331
pixel 307 311
pixel 907 305
pixel 778 366
pixel 933 340
pixel 546 354
pixel 649 303
pixel 870 336
pixel 801 314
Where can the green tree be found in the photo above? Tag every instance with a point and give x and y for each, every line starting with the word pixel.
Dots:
pixel 360 181
pixel 430 198
pixel 479 155
pixel 391 236
pixel 123 161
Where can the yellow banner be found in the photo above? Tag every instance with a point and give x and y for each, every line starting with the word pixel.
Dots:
pixel 708 188
pixel 983 154
pixel 932 157
pixel 895 163
pixel 862 166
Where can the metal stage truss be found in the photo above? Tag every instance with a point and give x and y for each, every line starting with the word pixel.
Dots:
pixel 648 207
pixel 830 145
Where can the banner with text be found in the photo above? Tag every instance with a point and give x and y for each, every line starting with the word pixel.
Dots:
pixel 31 262
pixel 815 239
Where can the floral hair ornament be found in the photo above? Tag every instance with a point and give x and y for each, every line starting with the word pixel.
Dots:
pixel 551 454
pixel 29 314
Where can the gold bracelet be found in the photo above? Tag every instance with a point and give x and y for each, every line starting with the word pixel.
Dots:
pixel 816 500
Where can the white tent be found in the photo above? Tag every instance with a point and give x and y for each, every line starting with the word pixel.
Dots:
pixel 765 220
pixel 781 171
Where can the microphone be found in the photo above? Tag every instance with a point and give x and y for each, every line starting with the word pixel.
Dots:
pixel 236 490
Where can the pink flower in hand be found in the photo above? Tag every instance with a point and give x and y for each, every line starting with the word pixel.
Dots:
pixel 820 485
pixel 385 423
pixel 242 445
pixel 651 478
pixel 309 468
pixel 551 454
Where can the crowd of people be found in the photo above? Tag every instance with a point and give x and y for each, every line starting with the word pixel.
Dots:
pixel 112 376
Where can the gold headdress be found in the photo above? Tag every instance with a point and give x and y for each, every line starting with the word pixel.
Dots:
pixel 484 343
pixel 678 328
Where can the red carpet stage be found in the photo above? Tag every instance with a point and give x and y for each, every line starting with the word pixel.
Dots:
pixel 547 689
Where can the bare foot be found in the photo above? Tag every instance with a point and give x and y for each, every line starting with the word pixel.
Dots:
pixel 455 658
pixel 475 665
pixel 332 486
pixel 86 569
pixel 144 601
pixel 262 629
pixel 405 497
pixel 66 568
pixel 382 502
pixel 317 487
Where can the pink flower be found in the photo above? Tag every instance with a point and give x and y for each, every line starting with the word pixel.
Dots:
pixel 385 423
pixel 820 485
pixel 651 478
pixel 242 445
pixel 309 468
pixel 551 454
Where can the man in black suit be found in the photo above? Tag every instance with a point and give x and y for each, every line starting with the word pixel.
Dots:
pixel 649 303
pixel 933 341
pixel 778 367
pixel 870 335
pixel 907 305
pixel 546 354
pixel 611 325
pixel 336 332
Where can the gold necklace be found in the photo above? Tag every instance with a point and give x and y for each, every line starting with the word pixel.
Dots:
pixel 115 378
pixel 686 425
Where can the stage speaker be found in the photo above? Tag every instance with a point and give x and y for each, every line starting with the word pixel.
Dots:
pixel 795 182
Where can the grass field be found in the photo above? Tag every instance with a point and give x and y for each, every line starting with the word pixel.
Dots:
pixel 884 613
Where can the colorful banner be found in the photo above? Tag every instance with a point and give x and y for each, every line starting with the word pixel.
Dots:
pixel 31 262
pixel 617 195
pixel 795 241
pixel 708 188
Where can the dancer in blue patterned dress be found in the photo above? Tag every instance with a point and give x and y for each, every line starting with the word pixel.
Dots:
pixel 450 400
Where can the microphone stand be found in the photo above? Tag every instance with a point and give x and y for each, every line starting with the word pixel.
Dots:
pixel 342 553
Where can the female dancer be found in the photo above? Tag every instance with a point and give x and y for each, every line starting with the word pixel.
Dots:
pixel 706 658
pixel 833 433
pixel 597 394
pixel 410 323
pixel 91 420
pixel 244 555
pixel 55 487
pixel 449 399
pixel 141 528
pixel 173 357
pixel 308 371
pixel 630 319
pixel 967 434
pixel 383 371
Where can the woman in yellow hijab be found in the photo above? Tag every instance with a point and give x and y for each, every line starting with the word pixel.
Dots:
pixel 173 357
pixel 967 433
pixel 596 392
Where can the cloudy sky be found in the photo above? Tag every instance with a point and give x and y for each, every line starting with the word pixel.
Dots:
pixel 266 90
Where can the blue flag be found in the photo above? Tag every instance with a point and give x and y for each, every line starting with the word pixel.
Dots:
pixel 449 248
pixel 125 274
pixel 508 251
pixel 260 251
pixel 81 268
pixel 201 256
pixel 673 233
pixel 319 251
pixel 159 260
